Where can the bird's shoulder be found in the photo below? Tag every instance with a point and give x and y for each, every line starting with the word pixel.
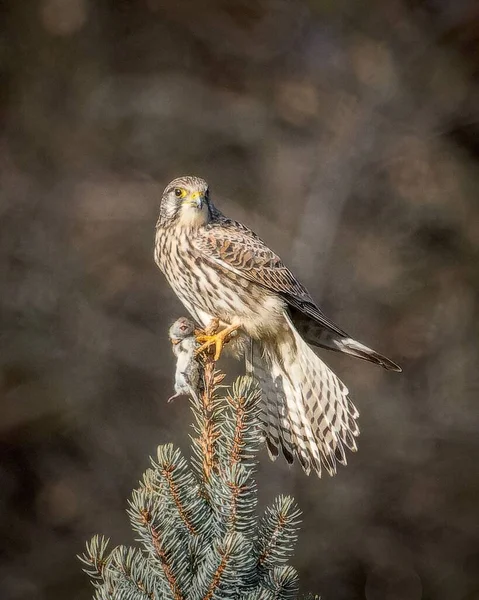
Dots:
pixel 229 244
pixel 238 246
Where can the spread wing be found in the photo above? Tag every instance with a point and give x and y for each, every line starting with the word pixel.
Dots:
pixel 232 246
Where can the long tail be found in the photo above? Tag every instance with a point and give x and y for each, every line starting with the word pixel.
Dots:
pixel 307 412
pixel 274 409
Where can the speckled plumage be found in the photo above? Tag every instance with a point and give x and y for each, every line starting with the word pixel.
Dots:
pixel 221 269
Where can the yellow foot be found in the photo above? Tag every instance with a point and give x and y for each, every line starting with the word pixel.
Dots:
pixel 211 328
pixel 218 340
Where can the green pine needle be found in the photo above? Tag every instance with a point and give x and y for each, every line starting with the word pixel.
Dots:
pixel 196 520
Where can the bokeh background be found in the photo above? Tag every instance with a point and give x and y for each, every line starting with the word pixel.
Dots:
pixel 346 134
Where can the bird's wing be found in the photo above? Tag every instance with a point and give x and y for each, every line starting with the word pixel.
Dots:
pixel 232 246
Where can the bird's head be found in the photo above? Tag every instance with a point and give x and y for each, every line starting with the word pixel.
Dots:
pixel 185 202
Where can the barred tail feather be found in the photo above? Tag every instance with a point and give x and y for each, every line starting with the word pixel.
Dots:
pixel 307 408
pixel 273 411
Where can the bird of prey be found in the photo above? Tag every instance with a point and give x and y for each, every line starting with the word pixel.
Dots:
pixel 188 368
pixel 221 270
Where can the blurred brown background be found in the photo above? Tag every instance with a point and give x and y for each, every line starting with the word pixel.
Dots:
pixel 346 134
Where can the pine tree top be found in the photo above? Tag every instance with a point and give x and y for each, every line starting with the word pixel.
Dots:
pixel 196 522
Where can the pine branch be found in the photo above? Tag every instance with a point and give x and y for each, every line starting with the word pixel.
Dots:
pixel 164 541
pixel 95 557
pixel 132 572
pixel 196 520
pixel 278 532
pixel 182 489
pixel 241 430
pixel 122 570
pixel 282 583
pixel 207 421
pixel 226 566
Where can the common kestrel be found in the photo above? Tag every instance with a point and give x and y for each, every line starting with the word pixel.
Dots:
pixel 221 270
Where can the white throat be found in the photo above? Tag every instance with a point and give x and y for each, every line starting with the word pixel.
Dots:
pixel 192 218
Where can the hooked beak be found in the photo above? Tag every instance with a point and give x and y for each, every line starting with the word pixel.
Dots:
pixel 196 199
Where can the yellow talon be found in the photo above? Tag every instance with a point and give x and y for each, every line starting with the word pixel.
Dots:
pixel 218 339
pixel 209 330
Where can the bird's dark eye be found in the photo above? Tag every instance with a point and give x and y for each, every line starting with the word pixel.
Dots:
pixel 180 193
